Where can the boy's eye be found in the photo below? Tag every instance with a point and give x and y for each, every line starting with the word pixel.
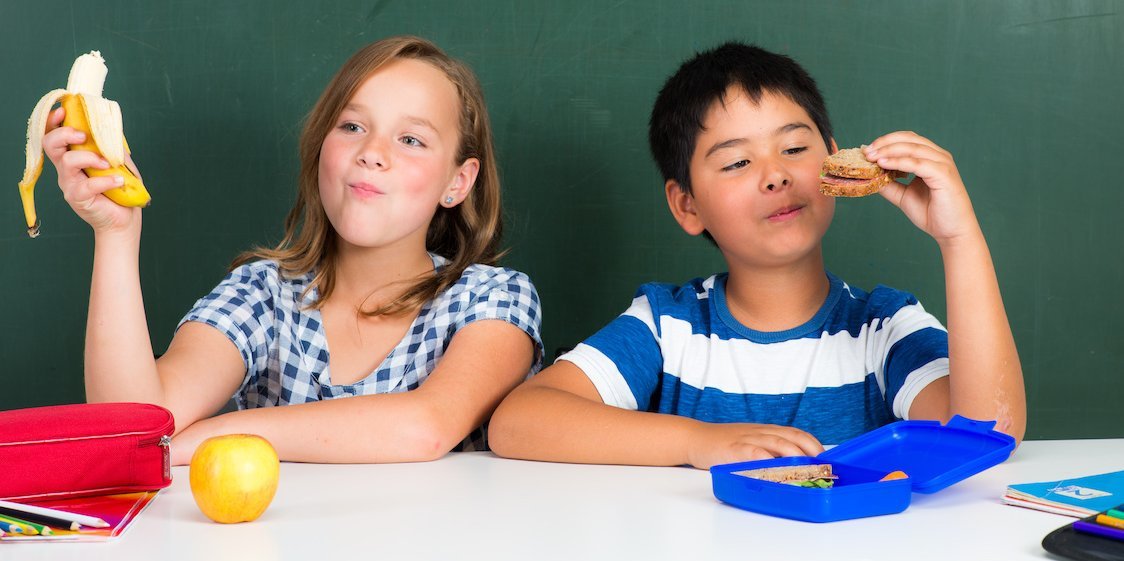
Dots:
pixel 412 141
pixel 794 151
pixel 736 165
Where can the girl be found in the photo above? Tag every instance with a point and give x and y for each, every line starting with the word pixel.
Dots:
pixel 382 289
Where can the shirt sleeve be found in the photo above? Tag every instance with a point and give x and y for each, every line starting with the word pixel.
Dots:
pixel 507 295
pixel 623 359
pixel 913 346
pixel 242 308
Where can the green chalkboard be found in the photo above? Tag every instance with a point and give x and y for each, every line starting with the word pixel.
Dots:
pixel 1025 94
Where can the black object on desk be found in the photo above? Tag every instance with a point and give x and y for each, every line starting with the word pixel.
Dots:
pixel 1082 546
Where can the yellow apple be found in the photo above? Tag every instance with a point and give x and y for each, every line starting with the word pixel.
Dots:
pixel 233 477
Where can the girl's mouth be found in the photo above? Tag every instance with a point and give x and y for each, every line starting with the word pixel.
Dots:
pixel 364 190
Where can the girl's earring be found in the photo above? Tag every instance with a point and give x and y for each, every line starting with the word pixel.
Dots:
pixel 449 200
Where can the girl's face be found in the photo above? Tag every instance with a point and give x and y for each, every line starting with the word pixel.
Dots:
pixel 390 158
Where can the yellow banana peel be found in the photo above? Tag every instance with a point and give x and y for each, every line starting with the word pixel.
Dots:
pixel 99 119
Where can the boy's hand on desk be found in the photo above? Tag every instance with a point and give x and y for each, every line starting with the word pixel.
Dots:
pixel 936 201
pixel 711 444
pixel 84 194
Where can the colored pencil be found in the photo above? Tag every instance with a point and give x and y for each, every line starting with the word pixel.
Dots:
pixel 1110 521
pixel 13 529
pixel 43 519
pixel 24 528
pixel 91 521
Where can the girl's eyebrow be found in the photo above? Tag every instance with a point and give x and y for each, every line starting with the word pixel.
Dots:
pixel 420 121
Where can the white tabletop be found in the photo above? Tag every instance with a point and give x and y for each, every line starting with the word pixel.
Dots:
pixel 478 506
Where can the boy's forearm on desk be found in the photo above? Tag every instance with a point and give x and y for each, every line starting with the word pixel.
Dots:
pixel 119 361
pixel 986 378
pixel 549 424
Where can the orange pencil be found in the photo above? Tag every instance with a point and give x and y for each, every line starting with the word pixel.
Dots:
pixel 1110 521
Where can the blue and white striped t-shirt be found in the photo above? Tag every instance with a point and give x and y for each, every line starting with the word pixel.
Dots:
pixel 282 339
pixel 855 366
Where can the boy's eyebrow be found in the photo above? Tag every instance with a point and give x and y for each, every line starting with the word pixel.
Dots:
pixel 724 144
pixel 791 127
pixel 736 141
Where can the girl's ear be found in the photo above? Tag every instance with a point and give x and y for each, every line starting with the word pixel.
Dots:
pixel 682 207
pixel 462 183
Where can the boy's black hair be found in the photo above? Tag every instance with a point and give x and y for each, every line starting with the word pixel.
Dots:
pixel 677 117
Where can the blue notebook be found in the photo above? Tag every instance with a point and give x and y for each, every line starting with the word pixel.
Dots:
pixel 1078 496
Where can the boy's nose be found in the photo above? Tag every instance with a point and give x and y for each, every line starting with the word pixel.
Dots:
pixel 772 186
pixel 776 176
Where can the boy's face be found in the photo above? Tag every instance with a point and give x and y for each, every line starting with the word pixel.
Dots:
pixel 755 181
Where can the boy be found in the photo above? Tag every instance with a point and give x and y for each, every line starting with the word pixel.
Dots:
pixel 777 355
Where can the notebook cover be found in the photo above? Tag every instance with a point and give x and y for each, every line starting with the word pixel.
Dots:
pixel 1084 495
pixel 119 511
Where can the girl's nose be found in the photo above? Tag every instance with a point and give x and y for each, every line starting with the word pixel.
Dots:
pixel 373 156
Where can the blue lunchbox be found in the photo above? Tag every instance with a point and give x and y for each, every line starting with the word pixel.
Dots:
pixel 933 456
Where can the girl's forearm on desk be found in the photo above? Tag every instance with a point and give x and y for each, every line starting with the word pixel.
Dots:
pixel 398 427
pixel 119 361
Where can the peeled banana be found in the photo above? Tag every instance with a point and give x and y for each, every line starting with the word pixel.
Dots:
pixel 99 118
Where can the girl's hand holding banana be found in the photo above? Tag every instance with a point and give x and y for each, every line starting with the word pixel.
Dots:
pixel 89 151
pixel 86 193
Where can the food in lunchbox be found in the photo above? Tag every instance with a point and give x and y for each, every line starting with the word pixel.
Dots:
pixel 815 476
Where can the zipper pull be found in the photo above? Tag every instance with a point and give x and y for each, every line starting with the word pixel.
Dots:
pixel 166 444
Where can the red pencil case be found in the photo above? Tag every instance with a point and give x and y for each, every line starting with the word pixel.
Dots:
pixel 85 449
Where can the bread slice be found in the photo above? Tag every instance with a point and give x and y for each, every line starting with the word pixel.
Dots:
pixel 789 473
pixel 850 162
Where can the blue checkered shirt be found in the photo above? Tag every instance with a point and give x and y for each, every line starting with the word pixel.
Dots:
pixel 282 340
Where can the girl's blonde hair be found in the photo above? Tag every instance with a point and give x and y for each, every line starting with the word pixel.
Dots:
pixel 465 234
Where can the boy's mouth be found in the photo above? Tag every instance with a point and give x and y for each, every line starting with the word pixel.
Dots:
pixel 785 213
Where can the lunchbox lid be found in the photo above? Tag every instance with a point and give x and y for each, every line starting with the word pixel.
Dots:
pixel 932 455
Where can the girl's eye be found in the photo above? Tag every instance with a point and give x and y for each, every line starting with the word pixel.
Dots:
pixel 736 165
pixel 351 127
pixel 794 151
pixel 412 141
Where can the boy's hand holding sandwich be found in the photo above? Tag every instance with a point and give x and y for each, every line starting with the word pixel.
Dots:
pixel 936 201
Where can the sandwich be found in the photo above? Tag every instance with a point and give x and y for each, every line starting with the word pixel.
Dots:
pixel 817 475
pixel 847 173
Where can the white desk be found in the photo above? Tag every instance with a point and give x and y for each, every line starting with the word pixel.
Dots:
pixel 478 506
